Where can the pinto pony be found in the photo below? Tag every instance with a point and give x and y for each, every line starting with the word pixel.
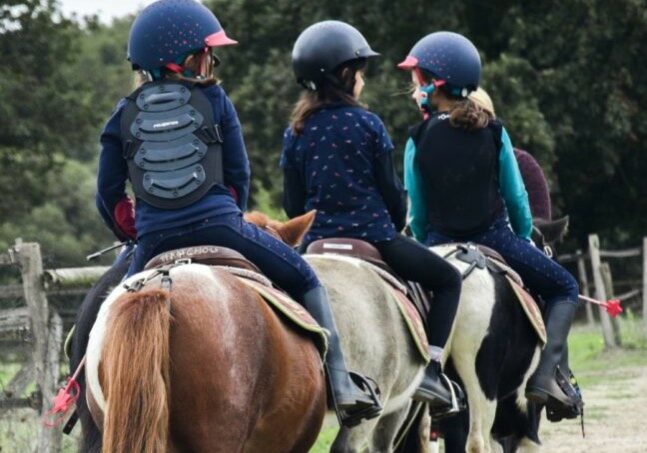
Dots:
pixel 204 366
pixel 375 339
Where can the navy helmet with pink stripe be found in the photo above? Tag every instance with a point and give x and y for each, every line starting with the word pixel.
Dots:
pixel 168 30
pixel 450 58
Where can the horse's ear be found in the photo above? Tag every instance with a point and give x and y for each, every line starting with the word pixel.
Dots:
pixel 552 230
pixel 293 230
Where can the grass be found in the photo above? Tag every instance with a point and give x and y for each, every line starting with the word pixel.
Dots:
pixel 593 364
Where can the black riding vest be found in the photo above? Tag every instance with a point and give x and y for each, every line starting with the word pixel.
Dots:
pixel 460 170
pixel 171 144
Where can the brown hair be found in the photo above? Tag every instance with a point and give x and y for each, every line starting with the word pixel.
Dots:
pixel 463 113
pixel 339 89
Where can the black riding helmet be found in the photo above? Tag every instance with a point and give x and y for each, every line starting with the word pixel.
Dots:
pixel 323 47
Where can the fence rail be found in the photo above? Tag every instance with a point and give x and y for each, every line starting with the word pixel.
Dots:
pixel 41 326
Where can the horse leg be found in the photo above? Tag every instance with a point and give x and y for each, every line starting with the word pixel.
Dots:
pixel 387 429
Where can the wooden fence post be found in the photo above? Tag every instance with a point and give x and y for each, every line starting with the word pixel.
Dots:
pixel 605 270
pixel 600 293
pixel 46 344
pixel 584 283
pixel 645 284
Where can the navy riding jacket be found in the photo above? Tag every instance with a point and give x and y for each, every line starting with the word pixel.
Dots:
pixel 113 173
pixel 342 166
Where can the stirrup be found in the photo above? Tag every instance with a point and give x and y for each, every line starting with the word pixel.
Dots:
pixel 458 401
pixel 351 418
pixel 556 410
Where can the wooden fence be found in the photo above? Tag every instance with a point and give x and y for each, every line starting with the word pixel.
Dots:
pixel 38 324
pixel 603 286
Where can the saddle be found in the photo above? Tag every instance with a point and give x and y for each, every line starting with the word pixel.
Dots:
pixel 484 257
pixel 413 300
pixel 249 274
pixel 210 255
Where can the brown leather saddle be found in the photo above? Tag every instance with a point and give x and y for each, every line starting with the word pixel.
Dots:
pixel 210 255
pixel 357 248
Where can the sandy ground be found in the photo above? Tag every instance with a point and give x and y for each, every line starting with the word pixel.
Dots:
pixel 615 417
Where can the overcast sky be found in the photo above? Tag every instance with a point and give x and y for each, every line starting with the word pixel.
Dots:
pixel 106 9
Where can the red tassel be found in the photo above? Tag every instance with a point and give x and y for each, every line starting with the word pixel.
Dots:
pixel 64 400
pixel 612 306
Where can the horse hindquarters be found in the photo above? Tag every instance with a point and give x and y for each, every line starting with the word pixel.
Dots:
pixel 242 379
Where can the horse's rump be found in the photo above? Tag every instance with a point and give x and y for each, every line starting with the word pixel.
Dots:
pixel 232 367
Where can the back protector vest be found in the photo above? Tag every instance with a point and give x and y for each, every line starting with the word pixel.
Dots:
pixel 171 143
pixel 460 170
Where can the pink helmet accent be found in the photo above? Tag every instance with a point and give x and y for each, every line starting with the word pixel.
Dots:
pixel 219 39
pixel 409 63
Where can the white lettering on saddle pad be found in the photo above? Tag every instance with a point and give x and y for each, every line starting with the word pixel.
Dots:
pixel 328 245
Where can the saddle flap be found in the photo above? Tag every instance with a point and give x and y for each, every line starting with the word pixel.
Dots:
pixel 291 311
pixel 204 254
pixel 530 308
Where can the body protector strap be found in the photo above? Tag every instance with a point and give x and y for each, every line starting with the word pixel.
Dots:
pixel 171 144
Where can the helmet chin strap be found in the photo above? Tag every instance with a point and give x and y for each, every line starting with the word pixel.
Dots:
pixel 179 69
pixel 426 91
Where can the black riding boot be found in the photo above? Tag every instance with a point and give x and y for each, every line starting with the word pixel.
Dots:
pixel 434 388
pixel 542 385
pixel 352 403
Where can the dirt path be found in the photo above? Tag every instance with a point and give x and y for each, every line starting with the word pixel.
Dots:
pixel 615 417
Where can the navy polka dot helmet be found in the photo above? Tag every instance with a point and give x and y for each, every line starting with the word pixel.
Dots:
pixel 449 57
pixel 168 30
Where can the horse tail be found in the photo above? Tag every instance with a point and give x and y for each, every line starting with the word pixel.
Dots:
pixel 135 362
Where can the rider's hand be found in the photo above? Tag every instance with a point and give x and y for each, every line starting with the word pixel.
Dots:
pixel 124 215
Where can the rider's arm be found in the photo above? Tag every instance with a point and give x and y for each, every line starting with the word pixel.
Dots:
pixel 294 188
pixel 111 179
pixel 390 187
pixel 294 195
pixel 386 178
pixel 536 184
pixel 414 184
pixel 234 155
pixel 513 190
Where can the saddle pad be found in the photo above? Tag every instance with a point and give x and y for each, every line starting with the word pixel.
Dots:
pixel 405 306
pixel 530 308
pixel 291 311
pixel 413 322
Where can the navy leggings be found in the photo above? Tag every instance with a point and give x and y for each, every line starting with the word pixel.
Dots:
pixel 413 261
pixel 276 260
pixel 542 275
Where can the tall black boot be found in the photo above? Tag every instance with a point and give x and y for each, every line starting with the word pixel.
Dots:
pixel 542 385
pixel 352 404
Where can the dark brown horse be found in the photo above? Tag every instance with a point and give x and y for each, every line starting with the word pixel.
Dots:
pixel 206 366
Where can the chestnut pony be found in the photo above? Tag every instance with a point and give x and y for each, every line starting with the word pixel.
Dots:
pixel 206 366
